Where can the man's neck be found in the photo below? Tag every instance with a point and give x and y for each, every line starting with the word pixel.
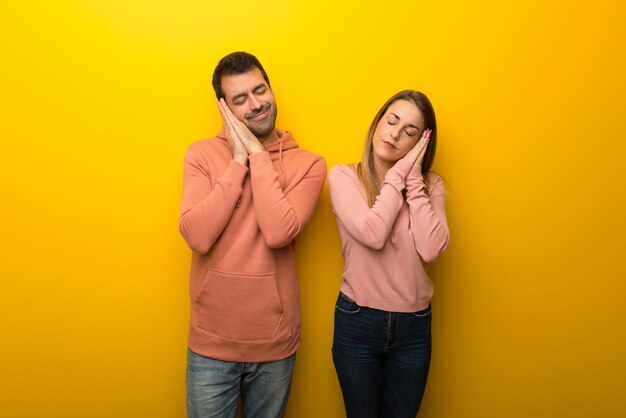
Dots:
pixel 273 136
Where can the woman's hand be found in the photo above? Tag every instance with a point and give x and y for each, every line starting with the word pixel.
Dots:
pixel 242 141
pixel 416 154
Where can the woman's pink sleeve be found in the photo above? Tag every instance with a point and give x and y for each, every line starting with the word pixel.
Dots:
pixel 429 225
pixel 370 226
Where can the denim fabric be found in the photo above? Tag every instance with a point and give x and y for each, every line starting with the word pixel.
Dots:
pixel 213 387
pixel 382 359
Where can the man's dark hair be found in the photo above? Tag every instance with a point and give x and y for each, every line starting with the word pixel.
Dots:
pixel 235 63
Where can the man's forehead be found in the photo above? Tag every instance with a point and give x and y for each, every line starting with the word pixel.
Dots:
pixel 233 84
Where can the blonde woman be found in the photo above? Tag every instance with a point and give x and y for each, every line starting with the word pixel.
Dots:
pixel 391 216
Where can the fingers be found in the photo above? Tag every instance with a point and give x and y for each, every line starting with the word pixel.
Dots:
pixel 239 151
pixel 423 145
pixel 426 135
pixel 425 139
pixel 239 129
pixel 416 154
pixel 235 128
pixel 224 112
pixel 227 115
pixel 238 126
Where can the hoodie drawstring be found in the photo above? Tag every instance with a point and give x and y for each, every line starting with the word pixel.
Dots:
pixel 283 179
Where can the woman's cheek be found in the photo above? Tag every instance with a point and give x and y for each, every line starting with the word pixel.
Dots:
pixel 408 145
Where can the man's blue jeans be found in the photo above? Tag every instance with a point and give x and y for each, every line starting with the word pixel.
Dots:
pixel 382 359
pixel 213 387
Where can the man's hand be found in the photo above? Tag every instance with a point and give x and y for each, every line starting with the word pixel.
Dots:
pixel 237 131
pixel 240 154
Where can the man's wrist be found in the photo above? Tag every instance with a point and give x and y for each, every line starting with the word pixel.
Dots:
pixel 255 148
pixel 241 159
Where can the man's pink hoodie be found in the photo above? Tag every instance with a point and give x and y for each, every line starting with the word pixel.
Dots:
pixel 241 224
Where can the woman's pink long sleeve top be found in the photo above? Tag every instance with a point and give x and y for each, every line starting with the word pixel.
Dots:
pixel 386 248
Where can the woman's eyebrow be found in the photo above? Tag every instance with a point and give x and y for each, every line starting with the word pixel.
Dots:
pixel 409 126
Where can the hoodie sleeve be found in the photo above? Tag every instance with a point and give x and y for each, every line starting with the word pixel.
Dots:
pixel 282 215
pixel 428 215
pixel 369 226
pixel 206 209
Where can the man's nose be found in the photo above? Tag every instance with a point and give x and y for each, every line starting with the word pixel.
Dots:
pixel 255 103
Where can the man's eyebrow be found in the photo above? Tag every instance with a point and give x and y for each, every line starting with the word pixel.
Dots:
pixel 237 96
pixel 408 126
pixel 261 85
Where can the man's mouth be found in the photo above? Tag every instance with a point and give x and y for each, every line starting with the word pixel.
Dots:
pixel 259 114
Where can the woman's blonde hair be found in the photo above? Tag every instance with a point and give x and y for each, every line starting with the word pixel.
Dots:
pixel 366 171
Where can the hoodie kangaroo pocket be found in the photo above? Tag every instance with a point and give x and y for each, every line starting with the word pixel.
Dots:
pixel 239 306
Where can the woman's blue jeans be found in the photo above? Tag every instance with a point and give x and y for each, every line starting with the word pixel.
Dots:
pixel 382 359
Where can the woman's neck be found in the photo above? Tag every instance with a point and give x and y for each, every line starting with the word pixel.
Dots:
pixel 381 168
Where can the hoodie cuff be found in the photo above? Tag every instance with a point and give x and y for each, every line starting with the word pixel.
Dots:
pixel 261 164
pixel 236 173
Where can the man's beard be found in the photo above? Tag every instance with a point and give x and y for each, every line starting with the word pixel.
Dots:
pixel 266 126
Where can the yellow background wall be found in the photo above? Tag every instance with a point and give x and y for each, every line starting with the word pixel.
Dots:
pixel 100 98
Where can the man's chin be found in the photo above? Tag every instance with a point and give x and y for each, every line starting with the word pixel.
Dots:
pixel 266 126
pixel 261 131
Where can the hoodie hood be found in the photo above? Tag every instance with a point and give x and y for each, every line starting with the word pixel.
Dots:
pixel 285 141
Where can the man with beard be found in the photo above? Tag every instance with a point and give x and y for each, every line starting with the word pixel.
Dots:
pixel 247 193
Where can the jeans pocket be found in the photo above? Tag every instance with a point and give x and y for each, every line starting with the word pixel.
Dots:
pixel 346 305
